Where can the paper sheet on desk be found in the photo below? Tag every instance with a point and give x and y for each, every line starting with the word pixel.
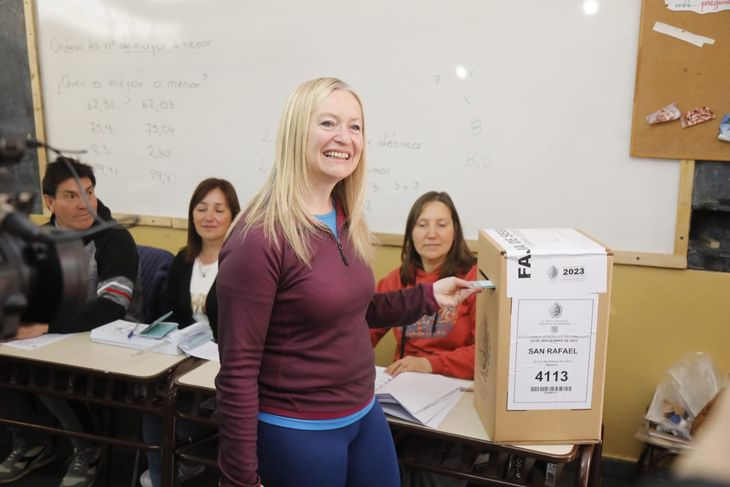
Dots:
pixel 207 351
pixel 196 340
pixel 432 416
pixel 448 404
pixel 421 398
pixel 38 342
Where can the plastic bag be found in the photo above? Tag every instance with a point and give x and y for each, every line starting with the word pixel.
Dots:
pixel 697 380
pixel 688 386
pixel 669 411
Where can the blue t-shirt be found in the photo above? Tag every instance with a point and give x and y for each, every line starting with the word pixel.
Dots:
pixel 315 424
pixel 329 219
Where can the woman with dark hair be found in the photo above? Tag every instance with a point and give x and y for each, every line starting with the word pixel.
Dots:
pixel 191 296
pixel 433 248
pixel 190 292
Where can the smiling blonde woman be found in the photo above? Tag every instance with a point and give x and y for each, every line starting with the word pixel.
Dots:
pixel 296 296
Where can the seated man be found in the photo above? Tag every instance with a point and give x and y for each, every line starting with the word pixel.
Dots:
pixel 113 272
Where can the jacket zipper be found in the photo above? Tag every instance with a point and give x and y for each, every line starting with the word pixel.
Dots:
pixel 339 247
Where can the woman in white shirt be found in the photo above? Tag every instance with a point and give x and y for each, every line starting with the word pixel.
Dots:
pixel 190 294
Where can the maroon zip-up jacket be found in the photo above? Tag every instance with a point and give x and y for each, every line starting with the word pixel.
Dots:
pixel 293 339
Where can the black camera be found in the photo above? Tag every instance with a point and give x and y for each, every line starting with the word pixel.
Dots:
pixel 43 271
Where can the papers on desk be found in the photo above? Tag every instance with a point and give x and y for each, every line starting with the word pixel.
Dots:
pixel 118 332
pixel 194 340
pixel 420 398
pixel 207 350
pixel 37 342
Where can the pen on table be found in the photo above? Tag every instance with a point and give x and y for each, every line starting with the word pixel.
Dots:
pixel 133 331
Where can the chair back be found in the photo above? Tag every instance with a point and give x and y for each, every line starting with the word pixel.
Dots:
pixel 154 266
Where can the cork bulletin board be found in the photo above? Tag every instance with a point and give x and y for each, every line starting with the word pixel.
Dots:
pixel 673 70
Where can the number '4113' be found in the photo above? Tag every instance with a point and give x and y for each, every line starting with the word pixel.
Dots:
pixel 552 376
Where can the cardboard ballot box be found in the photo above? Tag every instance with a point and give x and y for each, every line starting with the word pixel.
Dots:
pixel 542 335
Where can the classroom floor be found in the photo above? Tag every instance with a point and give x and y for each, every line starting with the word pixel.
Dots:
pixel 617 474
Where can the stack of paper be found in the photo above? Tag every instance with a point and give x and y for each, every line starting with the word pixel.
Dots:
pixel 195 340
pixel 122 333
pixel 421 398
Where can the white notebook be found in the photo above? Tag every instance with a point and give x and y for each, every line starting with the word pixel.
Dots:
pixel 420 398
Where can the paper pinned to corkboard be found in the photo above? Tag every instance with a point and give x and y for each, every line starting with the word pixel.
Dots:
pixel 670 70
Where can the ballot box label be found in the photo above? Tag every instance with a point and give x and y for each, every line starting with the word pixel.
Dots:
pixel 552 352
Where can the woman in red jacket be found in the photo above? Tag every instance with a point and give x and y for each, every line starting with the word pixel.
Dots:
pixel 434 248
pixel 441 343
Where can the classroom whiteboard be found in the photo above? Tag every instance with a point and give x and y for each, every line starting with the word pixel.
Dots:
pixel 520 110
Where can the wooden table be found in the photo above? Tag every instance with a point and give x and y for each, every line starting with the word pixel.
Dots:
pixel 102 375
pixel 462 425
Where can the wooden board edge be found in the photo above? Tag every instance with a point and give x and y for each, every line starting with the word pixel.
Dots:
pixel 648 259
pixel 127 219
pixel 396 240
pixel 388 239
pixel 152 221
pixel 35 84
pixel 684 207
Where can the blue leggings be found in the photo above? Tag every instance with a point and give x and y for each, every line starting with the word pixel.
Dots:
pixel 359 455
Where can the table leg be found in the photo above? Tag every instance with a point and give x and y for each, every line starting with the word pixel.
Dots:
pixel 167 441
pixel 585 460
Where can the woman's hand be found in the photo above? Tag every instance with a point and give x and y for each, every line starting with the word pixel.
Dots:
pixel 409 364
pixel 450 291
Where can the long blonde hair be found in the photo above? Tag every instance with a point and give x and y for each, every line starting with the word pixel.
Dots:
pixel 279 205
